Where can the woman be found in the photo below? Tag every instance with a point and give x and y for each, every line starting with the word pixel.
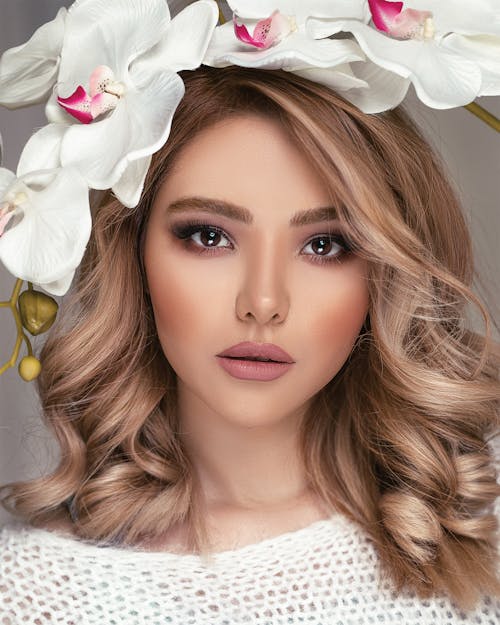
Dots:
pixel 349 480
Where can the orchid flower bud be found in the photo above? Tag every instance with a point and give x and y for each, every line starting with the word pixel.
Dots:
pixel 38 311
pixel 29 368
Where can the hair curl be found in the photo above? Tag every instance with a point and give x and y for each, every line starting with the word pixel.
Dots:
pixel 397 441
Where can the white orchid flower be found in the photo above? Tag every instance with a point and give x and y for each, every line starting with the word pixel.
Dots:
pixel 448 49
pixel 29 72
pixel 45 225
pixel 118 88
pixel 272 35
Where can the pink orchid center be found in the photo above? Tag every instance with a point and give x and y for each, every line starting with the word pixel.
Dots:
pixel 8 208
pixel 391 18
pixel 104 94
pixel 267 32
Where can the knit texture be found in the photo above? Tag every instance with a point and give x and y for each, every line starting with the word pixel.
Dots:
pixel 326 573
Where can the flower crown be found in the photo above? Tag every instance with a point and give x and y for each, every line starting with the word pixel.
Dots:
pixel 108 74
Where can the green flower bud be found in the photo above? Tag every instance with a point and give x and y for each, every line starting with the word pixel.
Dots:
pixel 29 368
pixel 38 311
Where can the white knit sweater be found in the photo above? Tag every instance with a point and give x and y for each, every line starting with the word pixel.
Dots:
pixel 324 574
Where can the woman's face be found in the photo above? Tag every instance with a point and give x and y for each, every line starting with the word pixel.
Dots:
pixel 236 251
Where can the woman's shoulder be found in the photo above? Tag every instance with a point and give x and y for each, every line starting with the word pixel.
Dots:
pixel 36 572
pixel 30 549
pixel 55 540
pixel 22 543
pixel 25 568
pixel 46 575
pixel 16 535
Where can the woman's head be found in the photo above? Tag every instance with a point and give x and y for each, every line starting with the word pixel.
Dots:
pixel 278 145
pixel 398 412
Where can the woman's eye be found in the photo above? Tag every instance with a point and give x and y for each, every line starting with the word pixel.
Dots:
pixel 209 237
pixel 326 247
pixel 202 236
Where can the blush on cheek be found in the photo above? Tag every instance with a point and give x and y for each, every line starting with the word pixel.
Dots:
pixel 340 325
pixel 174 313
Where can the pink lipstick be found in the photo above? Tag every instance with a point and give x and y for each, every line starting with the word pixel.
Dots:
pixel 255 361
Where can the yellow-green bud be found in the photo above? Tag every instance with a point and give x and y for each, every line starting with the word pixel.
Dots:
pixel 38 311
pixel 29 368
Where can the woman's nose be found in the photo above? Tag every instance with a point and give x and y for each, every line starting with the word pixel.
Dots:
pixel 263 296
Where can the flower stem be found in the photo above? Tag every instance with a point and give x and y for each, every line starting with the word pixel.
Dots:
pixel 484 115
pixel 21 336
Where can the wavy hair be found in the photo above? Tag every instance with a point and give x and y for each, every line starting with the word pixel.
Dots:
pixel 397 440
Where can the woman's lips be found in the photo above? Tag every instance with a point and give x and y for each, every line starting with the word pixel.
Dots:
pixel 263 351
pixel 247 361
pixel 253 369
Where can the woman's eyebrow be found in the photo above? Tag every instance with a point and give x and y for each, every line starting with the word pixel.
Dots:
pixel 238 213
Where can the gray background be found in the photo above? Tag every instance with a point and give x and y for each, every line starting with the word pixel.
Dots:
pixel 470 149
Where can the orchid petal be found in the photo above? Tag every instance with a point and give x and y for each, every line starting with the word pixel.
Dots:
pixel 43 150
pixel 151 109
pixel 484 50
pixel 99 150
pixel 385 91
pixel 129 188
pixel 384 13
pixel 301 10
pixel 138 127
pixel 55 113
pixel 49 236
pixel 4 220
pixel 6 179
pixel 411 24
pixel 441 78
pixel 78 105
pixel 462 16
pixel 296 49
pixel 97 34
pixel 102 103
pixel 28 72
pixel 59 287
pixel 242 34
pixel 257 9
pixel 100 79
pixel 319 28
pixel 267 32
pixel 186 40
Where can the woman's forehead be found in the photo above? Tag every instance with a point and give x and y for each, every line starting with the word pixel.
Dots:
pixel 248 161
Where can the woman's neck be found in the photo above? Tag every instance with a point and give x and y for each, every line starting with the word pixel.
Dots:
pixel 243 467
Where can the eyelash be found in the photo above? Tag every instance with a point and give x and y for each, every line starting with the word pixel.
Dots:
pixel 186 230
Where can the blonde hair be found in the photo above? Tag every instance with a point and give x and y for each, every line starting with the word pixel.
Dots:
pixel 397 441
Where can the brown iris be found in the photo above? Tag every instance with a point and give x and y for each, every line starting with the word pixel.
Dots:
pixel 210 237
pixel 321 246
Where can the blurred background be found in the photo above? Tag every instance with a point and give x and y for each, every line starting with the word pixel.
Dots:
pixel 469 148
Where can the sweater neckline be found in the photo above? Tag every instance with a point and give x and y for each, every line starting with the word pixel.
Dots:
pixel 269 545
